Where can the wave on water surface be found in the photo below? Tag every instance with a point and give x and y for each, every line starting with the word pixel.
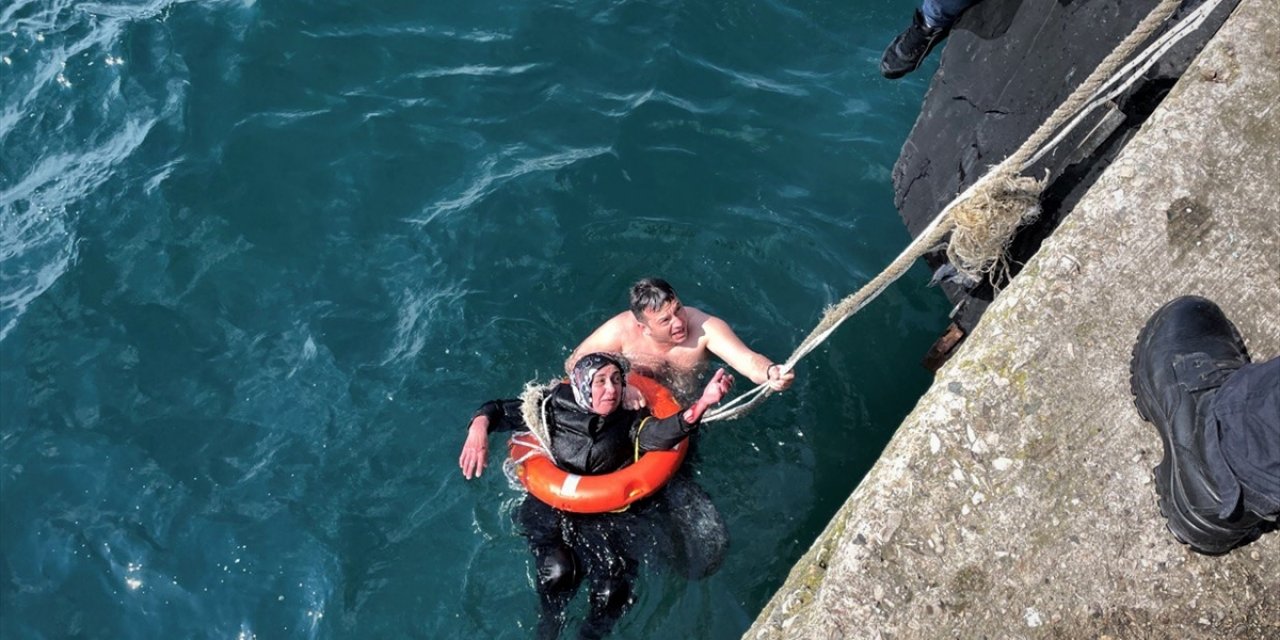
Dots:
pixel 70 115
pixel 497 170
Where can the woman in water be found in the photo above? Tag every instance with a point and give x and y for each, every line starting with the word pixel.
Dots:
pixel 590 433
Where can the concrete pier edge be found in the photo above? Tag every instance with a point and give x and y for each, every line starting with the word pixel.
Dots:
pixel 1016 500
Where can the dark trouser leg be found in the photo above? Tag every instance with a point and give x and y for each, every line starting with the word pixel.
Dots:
pixel 558 573
pixel 1244 450
pixel 609 543
pixel 558 580
pixel 611 588
pixel 944 13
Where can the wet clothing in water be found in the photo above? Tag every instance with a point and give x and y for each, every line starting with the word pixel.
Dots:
pixel 587 443
pixel 566 549
pixel 569 548
pixel 678 526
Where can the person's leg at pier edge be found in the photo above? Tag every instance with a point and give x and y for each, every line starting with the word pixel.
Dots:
pixel 1218 417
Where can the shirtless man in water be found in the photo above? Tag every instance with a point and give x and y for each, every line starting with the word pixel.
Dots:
pixel 660 335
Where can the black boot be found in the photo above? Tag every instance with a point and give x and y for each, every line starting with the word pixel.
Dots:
pixel 911 47
pixel 1183 355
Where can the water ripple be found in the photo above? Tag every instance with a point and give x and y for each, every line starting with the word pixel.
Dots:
pixel 745 79
pixel 143 10
pixel 479 36
pixel 71 115
pixel 420 316
pixel 476 70
pixel 36 242
pixel 633 101
pixel 35 249
pixel 492 177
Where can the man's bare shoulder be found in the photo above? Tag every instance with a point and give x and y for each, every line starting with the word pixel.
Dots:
pixel 697 316
pixel 620 325
pixel 617 333
pixel 708 323
pixel 614 335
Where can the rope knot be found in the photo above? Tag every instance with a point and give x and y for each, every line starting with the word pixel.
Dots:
pixel 986 222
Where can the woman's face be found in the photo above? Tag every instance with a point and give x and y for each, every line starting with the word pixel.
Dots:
pixel 606 390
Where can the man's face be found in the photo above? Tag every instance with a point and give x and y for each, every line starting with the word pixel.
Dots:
pixel 606 390
pixel 667 324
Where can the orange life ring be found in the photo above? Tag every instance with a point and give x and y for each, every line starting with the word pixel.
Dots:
pixel 606 492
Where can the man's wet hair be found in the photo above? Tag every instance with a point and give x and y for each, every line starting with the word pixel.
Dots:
pixel 650 294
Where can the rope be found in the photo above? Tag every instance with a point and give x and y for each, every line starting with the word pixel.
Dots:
pixel 984 227
pixel 533 408
pixel 1000 200
pixel 1134 70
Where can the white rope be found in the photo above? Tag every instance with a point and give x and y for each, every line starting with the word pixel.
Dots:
pixel 943 222
pixel 533 408
pixel 1132 71
pixel 535 446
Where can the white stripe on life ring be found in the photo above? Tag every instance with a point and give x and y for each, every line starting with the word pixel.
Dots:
pixel 570 486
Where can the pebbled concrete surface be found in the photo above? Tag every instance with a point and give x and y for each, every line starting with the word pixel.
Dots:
pixel 1016 501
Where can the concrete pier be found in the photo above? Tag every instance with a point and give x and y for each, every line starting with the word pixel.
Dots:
pixel 1016 500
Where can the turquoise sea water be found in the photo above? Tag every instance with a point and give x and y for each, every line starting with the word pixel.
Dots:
pixel 259 262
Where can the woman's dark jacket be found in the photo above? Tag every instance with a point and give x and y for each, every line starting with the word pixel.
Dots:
pixel 587 443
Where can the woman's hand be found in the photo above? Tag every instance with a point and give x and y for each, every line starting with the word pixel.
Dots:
pixel 475 450
pixel 633 399
pixel 716 388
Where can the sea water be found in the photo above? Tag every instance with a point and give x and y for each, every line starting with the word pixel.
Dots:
pixel 260 261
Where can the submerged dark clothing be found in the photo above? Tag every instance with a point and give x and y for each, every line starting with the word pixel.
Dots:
pixel 678 526
pixel 1242 440
pixel 569 548
pixel 566 549
pixel 588 443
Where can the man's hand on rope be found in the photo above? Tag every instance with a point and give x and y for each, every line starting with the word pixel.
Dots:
pixel 777 379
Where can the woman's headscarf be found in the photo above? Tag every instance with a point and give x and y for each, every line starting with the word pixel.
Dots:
pixel 585 369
